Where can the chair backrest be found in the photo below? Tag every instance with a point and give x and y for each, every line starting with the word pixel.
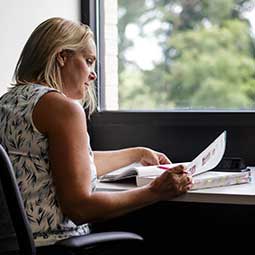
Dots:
pixel 15 205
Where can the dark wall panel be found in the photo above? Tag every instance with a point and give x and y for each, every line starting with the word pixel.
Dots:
pixel 182 136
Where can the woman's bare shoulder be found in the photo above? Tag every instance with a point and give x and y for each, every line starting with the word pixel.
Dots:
pixel 55 109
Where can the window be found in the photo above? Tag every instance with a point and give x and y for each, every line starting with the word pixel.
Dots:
pixel 183 122
pixel 179 54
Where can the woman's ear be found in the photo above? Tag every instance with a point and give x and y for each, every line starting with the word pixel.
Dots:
pixel 61 57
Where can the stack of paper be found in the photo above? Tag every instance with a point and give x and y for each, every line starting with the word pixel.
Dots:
pixel 208 179
pixel 199 168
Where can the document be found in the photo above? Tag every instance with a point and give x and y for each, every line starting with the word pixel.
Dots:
pixel 209 179
pixel 208 159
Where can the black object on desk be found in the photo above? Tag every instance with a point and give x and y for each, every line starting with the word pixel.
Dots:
pixel 231 164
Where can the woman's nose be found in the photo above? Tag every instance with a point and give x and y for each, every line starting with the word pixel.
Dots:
pixel 92 76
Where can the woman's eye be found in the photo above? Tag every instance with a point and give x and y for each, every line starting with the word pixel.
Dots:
pixel 89 61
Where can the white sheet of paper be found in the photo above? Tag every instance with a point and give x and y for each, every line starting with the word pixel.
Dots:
pixel 210 157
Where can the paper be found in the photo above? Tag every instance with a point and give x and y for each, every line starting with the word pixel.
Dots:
pixel 206 160
pixel 210 157
pixel 208 180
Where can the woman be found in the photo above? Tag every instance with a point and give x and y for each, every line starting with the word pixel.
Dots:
pixel 43 127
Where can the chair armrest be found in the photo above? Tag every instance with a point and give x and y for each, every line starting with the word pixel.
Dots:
pixel 78 242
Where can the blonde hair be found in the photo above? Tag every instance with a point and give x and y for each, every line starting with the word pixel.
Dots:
pixel 38 60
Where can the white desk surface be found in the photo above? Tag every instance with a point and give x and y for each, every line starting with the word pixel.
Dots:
pixel 235 194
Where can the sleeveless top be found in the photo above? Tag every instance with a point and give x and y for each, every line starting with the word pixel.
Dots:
pixel 28 151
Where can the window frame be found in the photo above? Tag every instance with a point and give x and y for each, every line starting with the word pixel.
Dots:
pixel 90 16
pixel 190 130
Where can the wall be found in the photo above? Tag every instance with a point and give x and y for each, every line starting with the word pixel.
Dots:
pixel 111 54
pixel 180 135
pixel 17 21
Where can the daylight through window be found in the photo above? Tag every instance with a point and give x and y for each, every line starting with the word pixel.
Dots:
pixel 179 54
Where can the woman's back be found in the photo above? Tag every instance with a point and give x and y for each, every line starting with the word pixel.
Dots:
pixel 28 151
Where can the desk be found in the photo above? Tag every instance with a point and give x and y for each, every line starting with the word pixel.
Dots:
pixel 202 210
pixel 243 194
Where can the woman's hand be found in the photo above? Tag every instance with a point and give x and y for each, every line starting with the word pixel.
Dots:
pixel 171 183
pixel 150 157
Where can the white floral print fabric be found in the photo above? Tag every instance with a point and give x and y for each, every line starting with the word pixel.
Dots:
pixel 27 148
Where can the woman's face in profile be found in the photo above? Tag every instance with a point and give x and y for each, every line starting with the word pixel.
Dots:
pixel 78 71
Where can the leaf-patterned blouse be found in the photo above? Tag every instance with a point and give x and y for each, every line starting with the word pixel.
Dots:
pixel 28 151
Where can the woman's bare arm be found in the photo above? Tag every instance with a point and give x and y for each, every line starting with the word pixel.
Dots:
pixel 64 122
pixel 124 157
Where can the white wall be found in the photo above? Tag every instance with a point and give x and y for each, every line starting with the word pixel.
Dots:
pixel 18 18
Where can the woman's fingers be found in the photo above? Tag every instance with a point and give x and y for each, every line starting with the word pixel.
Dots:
pixel 172 182
pixel 185 182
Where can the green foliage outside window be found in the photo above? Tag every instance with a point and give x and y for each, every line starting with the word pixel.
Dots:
pixel 207 55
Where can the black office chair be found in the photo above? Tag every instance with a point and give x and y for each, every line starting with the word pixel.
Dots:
pixel 113 242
